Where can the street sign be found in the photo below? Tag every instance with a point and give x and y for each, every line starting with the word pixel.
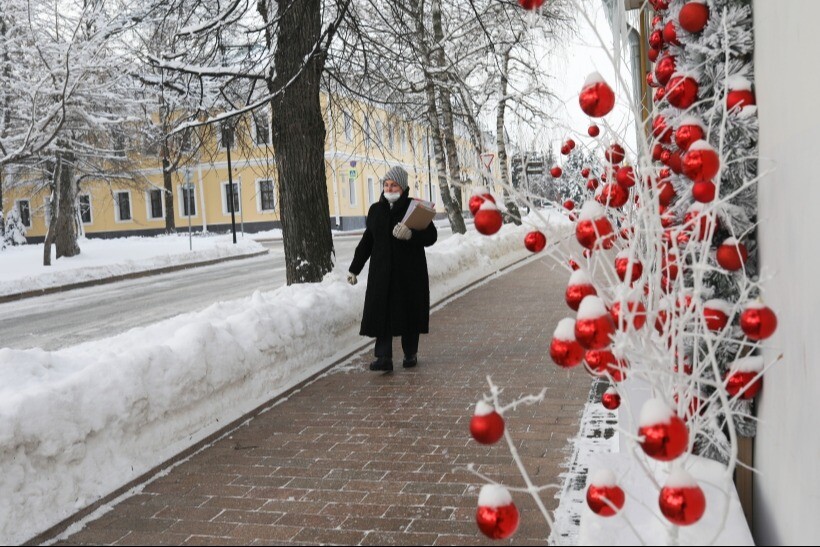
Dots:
pixel 354 173
pixel 487 160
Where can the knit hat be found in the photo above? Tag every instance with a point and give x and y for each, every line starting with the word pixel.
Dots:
pixel 398 175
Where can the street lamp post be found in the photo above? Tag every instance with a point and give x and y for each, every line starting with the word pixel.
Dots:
pixel 188 186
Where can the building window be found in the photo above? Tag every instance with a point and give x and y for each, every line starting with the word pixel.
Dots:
pixel 371 190
pixel 47 208
pixel 118 142
pixel 403 140
pixel 379 132
pixel 24 210
pixel 188 201
pixel 226 135
pixel 348 120
pixel 351 184
pixel 367 140
pixel 261 123
pixel 390 131
pixel 123 208
pixel 266 199
pixel 228 204
pixel 155 203
pixel 85 208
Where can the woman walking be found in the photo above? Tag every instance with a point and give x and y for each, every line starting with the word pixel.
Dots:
pixel 397 300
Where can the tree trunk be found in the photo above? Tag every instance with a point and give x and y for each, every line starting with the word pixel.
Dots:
pixel 167 183
pixel 298 138
pixel 51 230
pixel 65 236
pixel 512 209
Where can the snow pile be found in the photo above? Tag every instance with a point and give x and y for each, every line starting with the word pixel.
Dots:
pixel 77 423
pixel 21 268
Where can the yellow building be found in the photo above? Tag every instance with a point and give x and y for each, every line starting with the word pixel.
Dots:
pixel 360 147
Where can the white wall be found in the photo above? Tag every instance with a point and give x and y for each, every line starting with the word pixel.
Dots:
pixel 787 448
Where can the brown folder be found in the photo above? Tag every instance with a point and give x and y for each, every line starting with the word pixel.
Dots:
pixel 419 214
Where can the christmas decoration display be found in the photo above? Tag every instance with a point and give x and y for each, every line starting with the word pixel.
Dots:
pixel 486 425
pixel 716 314
pixel 624 265
pixel 740 93
pixel 556 172
pixel 689 131
pixel 758 321
pixel 611 400
pixel 744 377
pixel 535 241
pixel 593 324
pixel 579 287
pixel 597 98
pixel 604 496
pixel 731 254
pixel 488 218
pixel 593 228
pixel 626 176
pixel 615 154
pixel 665 436
pixel 497 516
pixel 593 130
pixel 682 91
pixel 701 163
pixel 565 351
pixel 694 16
pixel 480 195
pixel 681 500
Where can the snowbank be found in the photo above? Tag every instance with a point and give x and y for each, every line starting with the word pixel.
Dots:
pixel 77 423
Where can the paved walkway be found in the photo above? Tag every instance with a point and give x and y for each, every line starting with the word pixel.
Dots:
pixel 366 458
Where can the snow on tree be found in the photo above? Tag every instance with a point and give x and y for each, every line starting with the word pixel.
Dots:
pixel 14 230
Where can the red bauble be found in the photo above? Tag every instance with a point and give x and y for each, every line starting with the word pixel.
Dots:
pixel 670 34
pixel 496 516
pixel 594 233
pixel 604 497
pixel 477 200
pixel 650 80
pixel 714 315
pixel 570 143
pixel 585 172
pixel 682 91
pixel 699 224
pixel 613 195
pixel 622 267
pixel 682 501
pixel 535 241
pixel 531 4
pixel 626 176
pixel 732 255
pixel 657 151
pixel 575 293
pixel 556 172
pixel 574 265
pixel 660 130
pixel 615 154
pixel 657 20
pixel 488 219
pixel 593 130
pixel 565 351
pixel 635 308
pixel 565 150
pixel 665 68
pixel 745 384
pixel 659 5
pixel 656 39
pixel 757 321
pixel 594 326
pixel 665 435
pixel 592 184
pixel 687 134
pixel 668 219
pixel 739 98
pixel 701 163
pixel 666 193
pixel 486 425
pixel 602 362
pixel 704 192
pixel 659 95
pixel 610 399
pixel 596 99
pixel 693 17
pixel 653 54
pixel 603 177
pixel 569 205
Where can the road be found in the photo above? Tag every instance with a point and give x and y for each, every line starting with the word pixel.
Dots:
pixel 67 318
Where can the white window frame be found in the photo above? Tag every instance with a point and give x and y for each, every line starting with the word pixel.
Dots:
pixel 90 209
pixel 117 218
pixel 368 139
pixel 224 199
pixel 347 118
pixel 259 208
pixel 181 201
pixel 17 207
pixel 391 136
pixel 148 211
pixel 352 190
pixel 371 191
pixel 379 132
pixel 403 139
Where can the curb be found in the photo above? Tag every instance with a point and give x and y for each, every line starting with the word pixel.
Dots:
pixel 51 534
pixel 113 279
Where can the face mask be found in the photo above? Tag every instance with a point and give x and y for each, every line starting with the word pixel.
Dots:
pixel 392 196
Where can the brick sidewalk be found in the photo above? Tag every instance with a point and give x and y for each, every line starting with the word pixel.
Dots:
pixel 365 458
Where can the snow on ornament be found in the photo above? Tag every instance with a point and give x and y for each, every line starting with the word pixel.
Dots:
pixel 593 324
pixel 488 218
pixel 531 5
pixel 704 192
pixel 624 266
pixel 650 80
pixel 486 425
pixel 740 93
pixel 596 99
pixel 690 129
pixel 731 254
pixel 626 176
pixel 535 241
pixel 744 378
pixel 579 287
pixel 681 500
pixel 593 130
pixel 701 162
pixel 556 172
pixel 593 228
pixel 615 154
pixel 716 314
pixel 670 33
pixel 604 497
pixel 496 516
pixel 665 68
pixel 665 436
pixel 694 16
pixel 565 351
pixel 480 195
pixel 611 400
pixel 757 321
pixel 682 91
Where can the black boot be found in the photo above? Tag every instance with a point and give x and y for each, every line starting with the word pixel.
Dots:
pixel 382 364
pixel 410 361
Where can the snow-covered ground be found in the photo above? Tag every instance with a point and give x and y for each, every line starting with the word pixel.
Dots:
pixel 21 268
pixel 77 423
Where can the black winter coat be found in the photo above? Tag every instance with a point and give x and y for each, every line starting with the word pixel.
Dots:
pixel 397 300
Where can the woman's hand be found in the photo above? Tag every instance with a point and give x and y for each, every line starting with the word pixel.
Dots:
pixel 402 232
pixel 351 278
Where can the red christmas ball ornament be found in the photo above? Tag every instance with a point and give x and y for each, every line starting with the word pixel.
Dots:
pixel 585 172
pixel 650 80
pixel 593 228
pixel 565 150
pixel 665 68
pixel 478 198
pixel 635 309
pixel 682 91
pixel 497 516
pixel 757 321
pixel 704 192
pixel 699 224
pixel 574 265
pixel 668 218
pixel 659 95
pixel 531 5
pixel 744 378
pixel 626 176
pixel 740 93
pixel 731 254
pixel 592 184
pixel 657 151
pixel 535 241
pixel 666 193
pixel 604 497
pixel 701 163
pixel 623 265
pixel 556 172
pixel 665 436
pixel 488 219
pixel 676 162
pixel 653 54
pixel 613 195
pixel 660 130
pixel 665 155
pixel 486 425
pixel 657 20
pixel 659 5
pixel 681 499
pixel 565 351
pixel 570 143
pixel 569 205
pixel 593 325
pixel 694 16
pixel 669 264
pixel 615 154
pixel 593 130
pixel 716 314
pixel 670 34
pixel 596 99
pixel 602 362
pixel 688 132
pixel 656 39
pixel 579 287
pixel 611 400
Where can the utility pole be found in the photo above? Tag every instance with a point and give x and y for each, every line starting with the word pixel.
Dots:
pixel 231 201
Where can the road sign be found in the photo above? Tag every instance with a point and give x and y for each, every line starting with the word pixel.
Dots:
pixel 354 173
pixel 487 160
